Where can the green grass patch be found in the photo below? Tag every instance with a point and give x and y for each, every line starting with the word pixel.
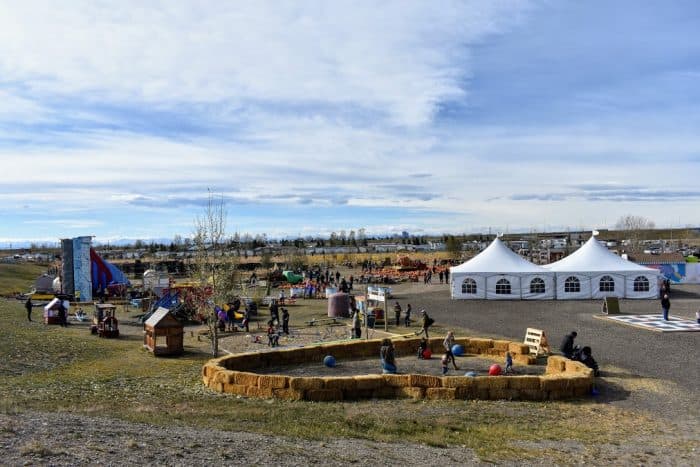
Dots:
pixel 48 368
pixel 18 278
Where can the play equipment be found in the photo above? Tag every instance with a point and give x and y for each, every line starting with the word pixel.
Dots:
pixel 104 321
pixel 471 374
pixel 427 354
pixel 329 361
pixel 457 350
pixel 162 324
pixel 495 370
pixel 292 278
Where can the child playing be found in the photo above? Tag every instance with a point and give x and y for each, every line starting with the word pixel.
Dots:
pixel 509 363
pixel 272 336
pixel 422 348
pixel 445 362
pixel 447 344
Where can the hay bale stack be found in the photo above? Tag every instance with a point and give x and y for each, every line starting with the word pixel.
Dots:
pixel 493 352
pixel 479 346
pixel 347 384
pixel 369 381
pixel 532 395
pixel 456 381
pixel 516 348
pixel 440 393
pixel 396 381
pixel 245 378
pixel 223 376
pixel 501 345
pixel 304 383
pixel 385 392
pixel 425 381
pixel 323 395
pixel 410 392
pixel 524 359
pixel 524 382
pixel 555 364
pixel 288 394
pixel 237 389
pixel 260 393
pixel 273 381
pixel 554 383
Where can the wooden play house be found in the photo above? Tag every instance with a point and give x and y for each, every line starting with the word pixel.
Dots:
pixel 163 333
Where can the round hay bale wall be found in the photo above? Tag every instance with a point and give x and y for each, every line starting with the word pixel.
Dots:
pixel 232 374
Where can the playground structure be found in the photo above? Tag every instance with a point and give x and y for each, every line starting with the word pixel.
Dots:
pixel 104 321
pixel 235 374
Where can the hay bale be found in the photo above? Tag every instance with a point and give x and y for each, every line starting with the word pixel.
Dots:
pixel 532 395
pixel 501 345
pixel 556 364
pixel 323 395
pixel 359 394
pixel 260 393
pixel 237 389
pixel 498 382
pixel 369 381
pixel 481 344
pixel 440 393
pixel 559 395
pixel 554 383
pixel 344 383
pixel 209 369
pixel 245 378
pixel 425 381
pixel 396 381
pixel 495 352
pixel 224 376
pixel 503 394
pixel 288 394
pixel 524 382
pixel 205 380
pixel 385 392
pixel 410 392
pixel 516 348
pixel 304 383
pixel 456 381
pixel 524 359
pixel 466 392
pixel 273 381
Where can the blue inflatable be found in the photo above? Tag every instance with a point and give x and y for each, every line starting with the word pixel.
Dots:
pixel 470 373
pixel 457 350
pixel 329 361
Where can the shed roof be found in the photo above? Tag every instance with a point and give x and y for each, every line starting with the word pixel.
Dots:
pixel 161 315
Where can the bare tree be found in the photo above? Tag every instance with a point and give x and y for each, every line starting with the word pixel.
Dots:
pixel 634 225
pixel 214 271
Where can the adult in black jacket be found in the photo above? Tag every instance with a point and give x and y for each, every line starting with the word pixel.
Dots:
pixel 584 356
pixel 665 306
pixel 567 345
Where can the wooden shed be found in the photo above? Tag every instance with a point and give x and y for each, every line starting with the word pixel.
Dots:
pixel 163 333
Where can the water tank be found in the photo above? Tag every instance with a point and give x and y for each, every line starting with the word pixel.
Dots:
pixel 339 305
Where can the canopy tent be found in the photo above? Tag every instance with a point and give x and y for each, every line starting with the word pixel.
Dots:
pixel 593 271
pixel 499 273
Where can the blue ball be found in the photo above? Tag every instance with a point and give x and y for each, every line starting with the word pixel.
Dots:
pixel 457 350
pixel 470 373
pixel 329 361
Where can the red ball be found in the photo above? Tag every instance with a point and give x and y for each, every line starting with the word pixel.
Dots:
pixel 495 369
pixel 427 354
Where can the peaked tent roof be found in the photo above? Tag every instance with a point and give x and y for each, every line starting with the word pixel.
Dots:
pixel 498 258
pixel 593 256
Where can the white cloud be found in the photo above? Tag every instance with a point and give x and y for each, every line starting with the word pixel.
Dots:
pixel 397 58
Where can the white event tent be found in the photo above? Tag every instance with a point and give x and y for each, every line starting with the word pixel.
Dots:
pixel 593 271
pixel 499 273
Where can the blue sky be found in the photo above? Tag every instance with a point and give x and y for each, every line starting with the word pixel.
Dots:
pixel 116 118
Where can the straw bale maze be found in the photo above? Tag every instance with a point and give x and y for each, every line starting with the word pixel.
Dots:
pixel 243 374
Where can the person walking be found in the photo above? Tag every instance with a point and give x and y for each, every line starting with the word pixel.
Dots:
pixel 567 345
pixel 426 322
pixel 28 305
pixel 285 320
pixel 397 313
pixel 356 324
pixel 407 316
pixel 665 306
pixel 447 344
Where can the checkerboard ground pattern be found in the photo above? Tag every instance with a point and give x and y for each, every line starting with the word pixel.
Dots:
pixel 657 323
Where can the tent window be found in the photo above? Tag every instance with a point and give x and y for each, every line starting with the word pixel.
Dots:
pixel 572 285
pixel 641 284
pixel 503 287
pixel 469 286
pixel 607 284
pixel 536 286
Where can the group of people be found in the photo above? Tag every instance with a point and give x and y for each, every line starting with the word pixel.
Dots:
pixel 574 352
pixel 442 275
